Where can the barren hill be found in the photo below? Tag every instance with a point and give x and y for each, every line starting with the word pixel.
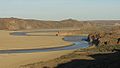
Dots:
pixel 20 24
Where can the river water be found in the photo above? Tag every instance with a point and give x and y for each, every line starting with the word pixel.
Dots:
pixel 78 42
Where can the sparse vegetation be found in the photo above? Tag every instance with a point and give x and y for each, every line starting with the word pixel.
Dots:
pixel 103 56
pixel 109 35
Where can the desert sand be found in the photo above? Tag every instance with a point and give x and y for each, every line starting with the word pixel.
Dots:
pixel 28 42
pixel 16 60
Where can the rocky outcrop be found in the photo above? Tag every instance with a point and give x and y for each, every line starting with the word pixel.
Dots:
pixel 105 38
pixel 118 40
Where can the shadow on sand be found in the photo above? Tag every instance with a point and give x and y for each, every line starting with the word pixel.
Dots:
pixel 109 60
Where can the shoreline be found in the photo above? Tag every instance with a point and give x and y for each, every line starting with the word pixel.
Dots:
pixel 74 45
pixel 9 42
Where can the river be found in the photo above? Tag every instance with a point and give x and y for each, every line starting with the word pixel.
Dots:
pixel 78 42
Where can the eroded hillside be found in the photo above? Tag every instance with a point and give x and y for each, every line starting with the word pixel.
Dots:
pixel 20 24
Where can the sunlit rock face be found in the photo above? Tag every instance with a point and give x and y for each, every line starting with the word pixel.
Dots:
pixel 105 38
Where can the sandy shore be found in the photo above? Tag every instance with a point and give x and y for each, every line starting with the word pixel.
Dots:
pixel 16 60
pixel 28 42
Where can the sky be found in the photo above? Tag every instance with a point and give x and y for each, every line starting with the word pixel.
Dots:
pixel 61 9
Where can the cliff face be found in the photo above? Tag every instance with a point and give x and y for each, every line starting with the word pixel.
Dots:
pixel 20 24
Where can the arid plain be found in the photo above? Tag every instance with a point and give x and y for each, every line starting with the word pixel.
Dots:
pixel 13 60
pixel 107 30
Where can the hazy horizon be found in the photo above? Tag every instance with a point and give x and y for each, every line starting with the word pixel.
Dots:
pixel 61 9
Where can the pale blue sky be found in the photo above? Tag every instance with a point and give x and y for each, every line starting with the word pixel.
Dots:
pixel 61 9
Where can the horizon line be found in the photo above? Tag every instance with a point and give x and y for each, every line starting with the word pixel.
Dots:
pixel 61 19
